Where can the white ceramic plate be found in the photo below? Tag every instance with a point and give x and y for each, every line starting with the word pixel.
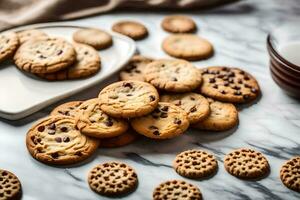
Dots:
pixel 22 95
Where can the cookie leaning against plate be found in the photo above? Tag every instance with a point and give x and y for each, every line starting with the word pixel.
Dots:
pixel 10 186
pixel 55 140
pixel 178 24
pixel 45 55
pixel 87 63
pixel 173 75
pixel 229 84
pixel 187 46
pixel 195 105
pixel 31 34
pixel 223 116
pixel 166 121
pixel 113 179
pixel 92 121
pixel 68 109
pixel 127 99
pixel 9 43
pixel 96 38
pixel 290 173
pixel 135 68
pixel 132 29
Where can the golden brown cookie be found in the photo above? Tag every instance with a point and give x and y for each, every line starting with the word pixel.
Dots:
pixel 246 164
pixel 67 109
pixel 195 105
pixel 56 140
pixel 176 190
pixel 10 186
pixel 9 43
pixel 92 121
pixel 187 46
pixel 128 99
pixel 178 24
pixel 121 140
pixel 229 84
pixel 113 179
pixel 31 34
pixel 290 173
pixel 166 121
pixel 173 75
pixel 223 116
pixel 132 29
pixel 195 164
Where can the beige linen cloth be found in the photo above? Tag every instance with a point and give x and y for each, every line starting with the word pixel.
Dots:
pixel 19 12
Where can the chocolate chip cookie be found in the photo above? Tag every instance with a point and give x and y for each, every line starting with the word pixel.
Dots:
pixel 290 173
pixel 178 24
pixel 132 29
pixel 9 43
pixel 31 34
pixel 121 140
pixel 10 186
pixel 67 109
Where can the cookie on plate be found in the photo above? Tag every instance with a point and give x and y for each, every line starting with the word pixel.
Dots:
pixel 96 38
pixel 121 140
pixel 223 116
pixel 31 34
pixel 246 164
pixel 229 84
pixel 178 24
pixel 173 75
pixel 92 121
pixel 290 173
pixel 45 55
pixel 195 164
pixel 135 68
pixel 113 179
pixel 9 43
pixel 195 105
pixel 132 29
pixel 166 121
pixel 176 190
pixel 56 140
pixel 68 109
pixel 128 99
pixel 187 46
pixel 87 63
pixel 10 186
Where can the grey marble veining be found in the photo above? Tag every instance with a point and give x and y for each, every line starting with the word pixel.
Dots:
pixel 271 125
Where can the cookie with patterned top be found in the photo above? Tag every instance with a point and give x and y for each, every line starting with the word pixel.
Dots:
pixel 166 121
pixel 246 164
pixel 31 34
pixel 176 190
pixel 128 99
pixel 132 29
pixel 9 43
pixel 290 173
pixel 187 46
pixel 195 164
pixel 10 186
pixel 92 121
pixel 113 179
pixel 173 75
pixel 67 109
pixel 195 105
pixel 229 84
pixel 121 140
pixel 178 24
pixel 56 140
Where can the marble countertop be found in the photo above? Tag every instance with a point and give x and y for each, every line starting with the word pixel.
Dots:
pixel 271 125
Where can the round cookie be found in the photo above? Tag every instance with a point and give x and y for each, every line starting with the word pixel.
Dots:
pixel 178 24
pixel 9 43
pixel 176 190
pixel 67 109
pixel 45 55
pixel 173 75
pixel 132 29
pixel 223 116
pixel 92 121
pixel 195 105
pixel 229 84
pixel 56 140
pixel 10 186
pixel 113 179
pixel 166 121
pixel 96 38
pixel 290 173
pixel 187 46
pixel 128 99
pixel 246 164
pixel 135 68
pixel 30 34
pixel 87 63
pixel 121 140
pixel 195 164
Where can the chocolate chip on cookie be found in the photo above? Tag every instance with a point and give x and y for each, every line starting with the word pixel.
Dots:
pixel 9 43
pixel 178 24
pixel 290 173
pixel 132 29
pixel 67 109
